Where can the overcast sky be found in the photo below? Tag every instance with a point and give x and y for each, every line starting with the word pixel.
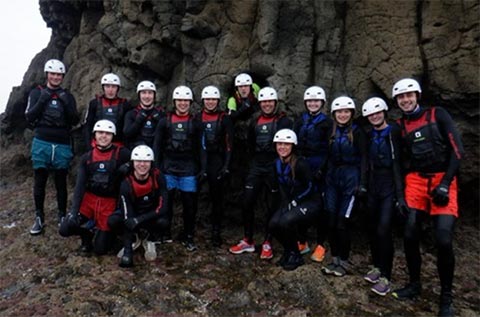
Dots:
pixel 23 34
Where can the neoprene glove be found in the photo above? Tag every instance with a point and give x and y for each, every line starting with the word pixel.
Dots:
pixel 402 207
pixel 141 116
pixel 63 96
pixel 45 95
pixel 201 177
pixel 124 169
pixel 156 116
pixel 440 195
pixel 132 223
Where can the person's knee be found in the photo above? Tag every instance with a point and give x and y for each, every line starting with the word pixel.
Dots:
pixel 443 239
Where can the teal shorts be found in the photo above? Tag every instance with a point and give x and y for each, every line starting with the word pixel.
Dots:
pixel 50 155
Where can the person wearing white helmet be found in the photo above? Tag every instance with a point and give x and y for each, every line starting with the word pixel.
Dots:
pixel 313 128
pixel 108 106
pixel 99 174
pixel 243 103
pixel 385 187
pixel 345 181
pixel 434 150
pixel 218 139
pixel 52 112
pixel 260 173
pixel 141 121
pixel 181 156
pixel 142 207
pixel 300 202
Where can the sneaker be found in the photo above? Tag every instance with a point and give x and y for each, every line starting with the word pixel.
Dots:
pixel 167 238
pixel 303 248
pixel 294 260
pixel 37 227
pixel 410 291
pixel 150 250
pixel 189 244
pixel 446 307
pixel 318 254
pixel 126 260
pixel 339 271
pixel 267 252
pixel 60 217
pixel 242 246
pixel 382 287
pixel 330 268
pixel 373 276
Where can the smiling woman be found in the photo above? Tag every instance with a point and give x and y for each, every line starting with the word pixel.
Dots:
pixel 28 35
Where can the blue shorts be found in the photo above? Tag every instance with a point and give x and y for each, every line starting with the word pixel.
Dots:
pixel 50 155
pixel 183 183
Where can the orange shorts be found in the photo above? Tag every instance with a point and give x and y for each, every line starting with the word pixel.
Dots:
pixel 98 208
pixel 417 194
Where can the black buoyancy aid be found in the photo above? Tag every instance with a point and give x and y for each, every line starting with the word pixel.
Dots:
pixel 212 128
pixel 312 140
pixel 101 169
pixel 239 100
pixel 147 133
pixel 426 144
pixel 265 129
pixel 380 148
pixel 109 109
pixel 145 194
pixel 342 151
pixel 54 113
pixel 180 132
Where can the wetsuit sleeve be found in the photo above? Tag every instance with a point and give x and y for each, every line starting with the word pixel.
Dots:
pixel 35 106
pixel 450 133
pixel 89 121
pixel 71 112
pixel 327 131
pixel 395 138
pixel 228 139
pixel 251 137
pixel 360 139
pixel 125 201
pixel 123 164
pixel 81 183
pixel 200 144
pixel 131 126
pixel 303 175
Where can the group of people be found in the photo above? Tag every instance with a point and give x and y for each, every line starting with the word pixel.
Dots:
pixel 315 169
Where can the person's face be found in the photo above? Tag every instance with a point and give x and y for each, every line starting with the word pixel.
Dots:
pixel 267 106
pixel 147 97
pixel 407 101
pixel 377 119
pixel 284 150
pixel 54 80
pixel 343 116
pixel 103 139
pixel 314 106
pixel 210 104
pixel 244 91
pixel 182 106
pixel 141 168
pixel 110 91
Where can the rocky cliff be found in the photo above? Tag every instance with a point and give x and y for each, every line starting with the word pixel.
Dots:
pixel 355 47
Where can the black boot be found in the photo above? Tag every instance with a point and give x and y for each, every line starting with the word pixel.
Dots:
pixel 410 291
pixel 127 258
pixel 38 224
pixel 294 260
pixel 87 245
pixel 60 217
pixel 446 307
pixel 283 259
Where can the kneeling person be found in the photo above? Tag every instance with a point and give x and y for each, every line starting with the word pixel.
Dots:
pixel 143 202
pixel 95 198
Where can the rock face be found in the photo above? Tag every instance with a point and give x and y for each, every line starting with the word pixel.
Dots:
pixel 359 48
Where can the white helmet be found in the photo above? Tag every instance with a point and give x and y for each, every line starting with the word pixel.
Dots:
pixel 54 66
pixel 314 93
pixel 374 105
pixel 342 102
pixel 105 126
pixel 146 85
pixel 285 136
pixel 182 92
pixel 210 92
pixel 110 79
pixel 267 93
pixel 142 153
pixel 243 80
pixel 405 85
